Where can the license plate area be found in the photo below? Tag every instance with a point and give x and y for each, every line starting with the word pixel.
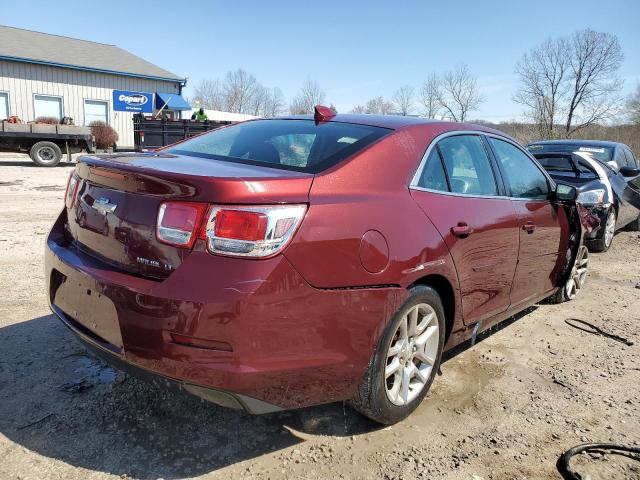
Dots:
pixel 80 300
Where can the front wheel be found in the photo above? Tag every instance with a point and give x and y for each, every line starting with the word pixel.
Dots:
pixel 576 280
pixel 405 361
pixel 603 243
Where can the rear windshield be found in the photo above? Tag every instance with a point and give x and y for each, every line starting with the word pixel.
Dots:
pixel 603 154
pixel 299 145
pixel 563 163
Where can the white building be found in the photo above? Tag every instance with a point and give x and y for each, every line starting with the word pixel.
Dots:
pixel 220 116
pixel 43 75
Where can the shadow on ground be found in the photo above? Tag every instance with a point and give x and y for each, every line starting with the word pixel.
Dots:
pixel 28 163
pixel 58 401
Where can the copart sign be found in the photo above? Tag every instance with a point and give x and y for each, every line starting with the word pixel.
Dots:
pixel 124 101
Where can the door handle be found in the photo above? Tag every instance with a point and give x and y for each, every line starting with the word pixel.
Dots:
pixel 462 230
pixel 529 227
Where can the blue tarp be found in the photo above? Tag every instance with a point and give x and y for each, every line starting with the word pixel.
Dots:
pixel 173 101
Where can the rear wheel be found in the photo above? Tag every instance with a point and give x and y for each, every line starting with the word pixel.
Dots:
pixel 45 154
pixel 609 229
pixel 405 361
pixel 576 280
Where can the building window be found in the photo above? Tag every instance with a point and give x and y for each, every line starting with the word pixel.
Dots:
pixel 96 111
pixel 47 106
pixel 4 105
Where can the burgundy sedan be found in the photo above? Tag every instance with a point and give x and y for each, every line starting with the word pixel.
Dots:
pixel 282 263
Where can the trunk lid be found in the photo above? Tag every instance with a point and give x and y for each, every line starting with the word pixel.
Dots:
pixel 115 212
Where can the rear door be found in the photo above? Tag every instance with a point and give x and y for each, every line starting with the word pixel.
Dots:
pixel 543 225
pixel 458 191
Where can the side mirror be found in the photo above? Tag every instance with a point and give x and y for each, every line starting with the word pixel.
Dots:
pixel 629 171
pixel 566 193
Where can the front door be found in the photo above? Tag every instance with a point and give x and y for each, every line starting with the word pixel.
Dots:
pixel 541 222
pixel 458 192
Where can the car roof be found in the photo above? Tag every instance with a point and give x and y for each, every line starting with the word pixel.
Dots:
pixel 397 122
pixel 569 141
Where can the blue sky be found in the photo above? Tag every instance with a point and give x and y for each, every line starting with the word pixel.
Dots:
pixel 355 49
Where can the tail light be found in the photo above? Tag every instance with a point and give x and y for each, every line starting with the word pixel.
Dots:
pixel 259 231
pixel 178 222
pixel 71 191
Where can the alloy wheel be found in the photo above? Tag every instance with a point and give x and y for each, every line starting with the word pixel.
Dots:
pixel 610 228
pixel 578 274
pixel 411 354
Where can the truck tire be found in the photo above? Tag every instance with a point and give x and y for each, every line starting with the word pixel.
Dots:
pixel 45 154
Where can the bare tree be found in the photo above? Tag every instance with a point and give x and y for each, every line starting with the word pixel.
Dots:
pixel 208 94
pixel 403 99
pixel 633 106
pixel 379 106
pixel 460 93
pixel 570 83
pixel 543 72
pixel 595 61
pixel 430 94
pixel 240 90
pixel 308 97
pixel 275 105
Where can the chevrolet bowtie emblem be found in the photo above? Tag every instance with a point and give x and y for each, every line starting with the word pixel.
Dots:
pixel 103 205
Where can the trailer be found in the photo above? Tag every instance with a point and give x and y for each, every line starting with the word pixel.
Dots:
pixel 151 133
pixel 45 143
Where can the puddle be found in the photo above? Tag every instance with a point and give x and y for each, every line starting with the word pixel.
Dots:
pixel 49 188
pixel 94 370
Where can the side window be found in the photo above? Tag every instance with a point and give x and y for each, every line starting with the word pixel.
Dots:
pixel 523 176
pixel 467 165
pixel 433 176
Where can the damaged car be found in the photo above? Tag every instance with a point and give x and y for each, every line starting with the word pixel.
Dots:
pixel 281 263
pixel 610 191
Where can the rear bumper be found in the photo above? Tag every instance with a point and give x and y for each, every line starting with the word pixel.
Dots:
pixel 272 341
pixel 217 396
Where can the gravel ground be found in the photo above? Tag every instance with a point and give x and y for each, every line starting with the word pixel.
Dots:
pixel 503 409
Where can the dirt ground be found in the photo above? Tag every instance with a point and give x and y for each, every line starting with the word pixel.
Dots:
pixel 505 408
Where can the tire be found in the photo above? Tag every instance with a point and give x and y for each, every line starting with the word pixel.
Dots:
pixel 374 396
pixel 45 154
pixel 604 243
pixel 576 280
pixel 634 226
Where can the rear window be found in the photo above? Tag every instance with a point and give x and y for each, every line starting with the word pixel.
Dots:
pixel 563 163
pixel 603 154
pixel 299 145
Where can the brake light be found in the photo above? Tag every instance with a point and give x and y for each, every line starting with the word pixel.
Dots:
pixel 178 222
pixel 71 191
pixel 259 231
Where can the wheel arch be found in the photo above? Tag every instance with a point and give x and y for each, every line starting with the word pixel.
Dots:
pixel 445 290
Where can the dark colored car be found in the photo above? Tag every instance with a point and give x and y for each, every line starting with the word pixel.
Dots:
pixel 611 188
pixel 282 263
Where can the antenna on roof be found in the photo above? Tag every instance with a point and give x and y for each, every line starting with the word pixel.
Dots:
pixel 323 113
